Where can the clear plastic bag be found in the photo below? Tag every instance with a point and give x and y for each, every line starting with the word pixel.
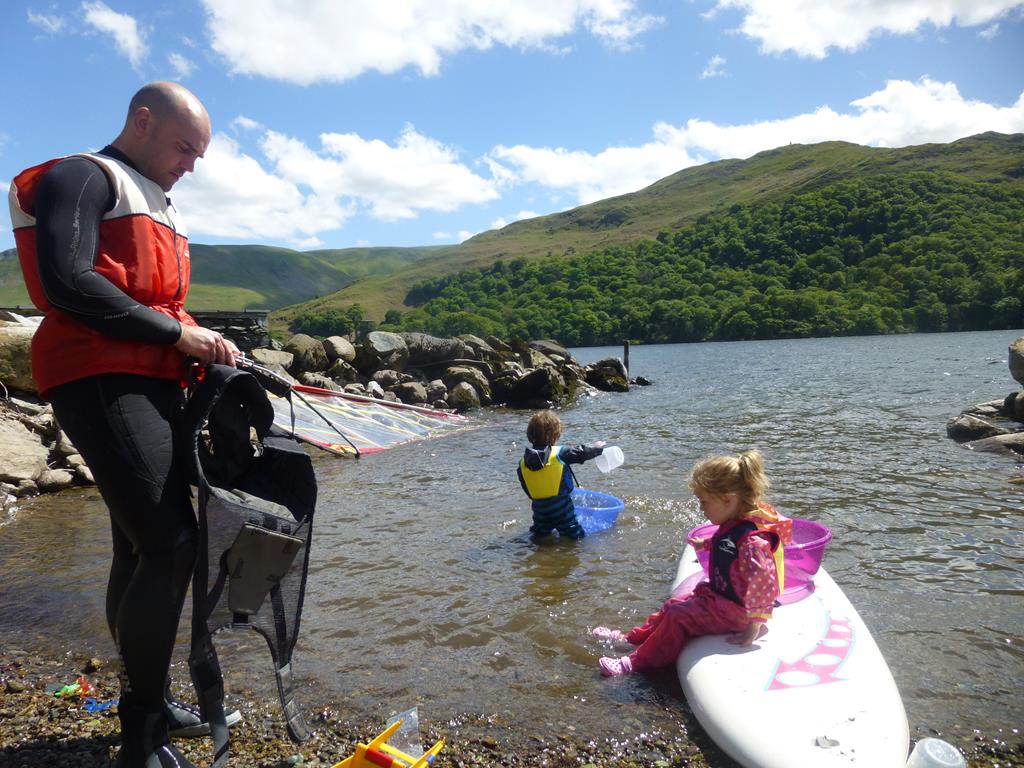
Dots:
pixel 407 737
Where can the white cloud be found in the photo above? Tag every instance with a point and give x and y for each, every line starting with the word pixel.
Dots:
pixel 901 114
pixel 5 225
pixel 341 40
pixel 714 68
pixel 231 195
pixel 464 235
pixel 990 31
pixel 416 173
pixel 613 171
pixel 47 22
pixel 503 221
pixel 128 38
pixel 295 192
pixel 298 191
pixel 182 66
pixel 811 27
pixel 245 123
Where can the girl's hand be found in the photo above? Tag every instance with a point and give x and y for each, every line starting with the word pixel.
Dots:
pixel 697 542
pixel 601 443
pixel 754 630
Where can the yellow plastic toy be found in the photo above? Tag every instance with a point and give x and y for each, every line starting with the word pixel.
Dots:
pixel 379 754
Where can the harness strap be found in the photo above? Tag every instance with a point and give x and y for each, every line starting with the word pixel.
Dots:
pixel 228 460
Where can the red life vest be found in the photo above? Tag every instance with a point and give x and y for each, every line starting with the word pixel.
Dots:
pixel 142 249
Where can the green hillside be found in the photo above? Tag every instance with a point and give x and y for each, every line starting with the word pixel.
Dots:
pixel 888 253
pixel 236 277
pixel 679 200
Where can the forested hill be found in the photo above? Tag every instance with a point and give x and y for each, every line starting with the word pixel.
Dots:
pixel 681 199
pixel 888 253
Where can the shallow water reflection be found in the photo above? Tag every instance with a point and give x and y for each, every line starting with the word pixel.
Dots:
pixel 425 588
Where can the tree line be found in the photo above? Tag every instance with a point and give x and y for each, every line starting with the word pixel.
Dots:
pixel 884 254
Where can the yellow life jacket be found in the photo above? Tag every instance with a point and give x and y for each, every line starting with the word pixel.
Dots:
pixel 766 518
pixel 545 482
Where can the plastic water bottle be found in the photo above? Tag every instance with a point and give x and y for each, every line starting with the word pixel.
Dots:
pixel 935 753
pixel 609 459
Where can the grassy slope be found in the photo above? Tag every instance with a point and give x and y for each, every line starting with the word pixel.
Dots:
pixel 252 276
pixel 680 199
pixel 235 277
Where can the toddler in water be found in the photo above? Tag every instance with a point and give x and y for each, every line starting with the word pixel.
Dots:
pixel 546 477
pixel 745 568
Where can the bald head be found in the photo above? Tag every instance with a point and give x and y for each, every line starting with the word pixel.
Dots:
pixel 166 130
pixel 166 99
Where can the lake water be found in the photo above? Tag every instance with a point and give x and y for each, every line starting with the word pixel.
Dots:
pixel 424 588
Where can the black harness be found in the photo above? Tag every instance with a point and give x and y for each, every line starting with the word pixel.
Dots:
pixel 726 549
pixel 257 494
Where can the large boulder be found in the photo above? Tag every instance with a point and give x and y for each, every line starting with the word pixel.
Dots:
pixel 382 349
pixel 538 388
pixel 1013 405
pixel 339 348
pixel 23 456
pixel 504 350
pixel 479 349
pixel 463 397
pixel 1015 359
pixel 312 379
pixel 386 377
pixel 470 375
pixel 966 427
pixel 425 350
pixel 608 375
pixel 272 358
pixel 16 356
pixel 1011 444
pixel 503 384
pixel 342 372
pixel 411 392
pixel 309 354
pixel 552 349
pixel 436 390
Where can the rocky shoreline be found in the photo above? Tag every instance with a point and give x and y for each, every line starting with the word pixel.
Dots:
pixel 458 374
pixel 39 729
pixel 998 425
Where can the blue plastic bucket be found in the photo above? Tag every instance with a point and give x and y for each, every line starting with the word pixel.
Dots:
pixel 596 511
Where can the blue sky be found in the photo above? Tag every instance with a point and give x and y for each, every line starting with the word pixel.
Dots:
pixel 340 123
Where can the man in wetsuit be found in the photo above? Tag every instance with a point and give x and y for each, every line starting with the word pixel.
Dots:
pixel 105 256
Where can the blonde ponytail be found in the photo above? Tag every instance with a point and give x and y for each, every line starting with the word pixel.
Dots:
pixel 742 475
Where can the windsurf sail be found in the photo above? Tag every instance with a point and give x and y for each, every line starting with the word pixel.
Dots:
pixel 348 424
pixel 351 424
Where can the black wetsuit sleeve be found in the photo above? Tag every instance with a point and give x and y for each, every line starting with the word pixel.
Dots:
pixel 69 205
pixel 577 454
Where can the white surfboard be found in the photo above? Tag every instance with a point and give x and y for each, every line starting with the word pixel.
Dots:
pixel 814 692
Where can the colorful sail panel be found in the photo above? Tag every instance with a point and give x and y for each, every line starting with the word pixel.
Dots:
pixel 357 424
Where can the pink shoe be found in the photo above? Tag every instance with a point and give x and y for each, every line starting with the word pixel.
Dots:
pixel 605 633
pixel 611 667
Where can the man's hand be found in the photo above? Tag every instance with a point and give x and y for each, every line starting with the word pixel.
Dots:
pixel 206 346
pixel 753 631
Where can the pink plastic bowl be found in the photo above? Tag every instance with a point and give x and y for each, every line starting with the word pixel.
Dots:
pixel 803 555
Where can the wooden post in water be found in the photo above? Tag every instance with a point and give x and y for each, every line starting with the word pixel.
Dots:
pixel 625 356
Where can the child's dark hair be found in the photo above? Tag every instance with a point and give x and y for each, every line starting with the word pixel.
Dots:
pixel 743 475
pixel 544 428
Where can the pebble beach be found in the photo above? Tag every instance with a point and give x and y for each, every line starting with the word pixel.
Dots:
pixel 39 729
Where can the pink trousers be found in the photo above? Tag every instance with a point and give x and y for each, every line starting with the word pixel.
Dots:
pixel 663 635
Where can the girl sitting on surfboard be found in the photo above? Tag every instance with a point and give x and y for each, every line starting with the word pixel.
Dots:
pixel 546 477
pixel 744 572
